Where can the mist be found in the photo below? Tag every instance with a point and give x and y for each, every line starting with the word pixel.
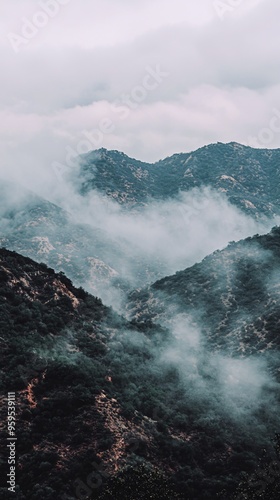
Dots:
pixel 130 248
pixel 160 237
pixel 191 363
pixel 219 387
pixel 206 398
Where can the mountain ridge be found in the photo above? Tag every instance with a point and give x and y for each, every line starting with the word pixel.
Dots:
pixel 248 176
pixel 94 390
pixel 232 292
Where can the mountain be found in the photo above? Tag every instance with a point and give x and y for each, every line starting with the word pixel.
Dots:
pixel 89 255
pixel 107 408
pixel 233 295
pixel 250 178
pixel 107 264
pixel 45 232
pixel 179 398
pixel 56 356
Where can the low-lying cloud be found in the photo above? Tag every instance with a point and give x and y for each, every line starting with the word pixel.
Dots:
pixel 161 237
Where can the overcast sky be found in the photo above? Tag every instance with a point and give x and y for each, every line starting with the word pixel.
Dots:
pixel 149 77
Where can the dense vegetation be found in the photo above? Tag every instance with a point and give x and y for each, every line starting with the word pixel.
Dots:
pixel 99 411
pixel 233 294
pixel 249 177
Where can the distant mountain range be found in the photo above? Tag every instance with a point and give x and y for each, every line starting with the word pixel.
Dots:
pixel 250 178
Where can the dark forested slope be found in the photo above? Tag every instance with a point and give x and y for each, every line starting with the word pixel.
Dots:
pixel 112 409
pixel 233 294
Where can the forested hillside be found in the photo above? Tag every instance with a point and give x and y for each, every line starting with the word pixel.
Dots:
pixel 103 403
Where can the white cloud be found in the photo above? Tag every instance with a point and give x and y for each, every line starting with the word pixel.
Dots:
pixel 223 82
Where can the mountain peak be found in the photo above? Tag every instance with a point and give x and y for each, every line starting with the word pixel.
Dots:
pixel 131 182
